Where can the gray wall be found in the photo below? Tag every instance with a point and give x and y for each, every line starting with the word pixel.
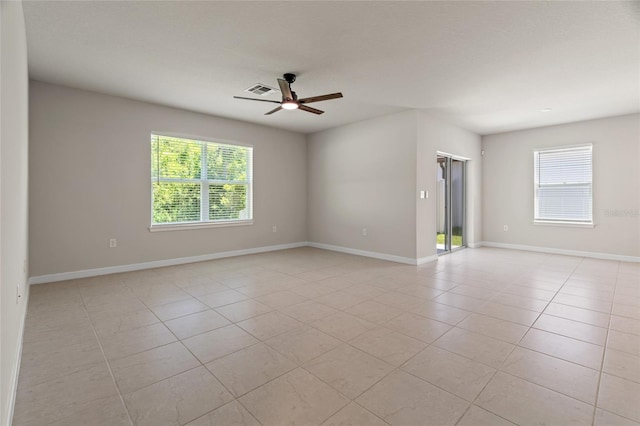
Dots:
pixel 363 175
pixel 508 187
pixel 436 135
pixel 369 174
pixel 14 86
pixel 90 181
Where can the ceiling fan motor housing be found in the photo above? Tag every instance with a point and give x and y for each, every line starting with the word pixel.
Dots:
pixel 289 78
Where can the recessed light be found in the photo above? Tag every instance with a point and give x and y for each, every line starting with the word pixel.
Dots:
pixel 545 110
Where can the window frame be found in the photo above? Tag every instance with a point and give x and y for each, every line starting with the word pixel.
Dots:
pixel 557 222
pixel 204 186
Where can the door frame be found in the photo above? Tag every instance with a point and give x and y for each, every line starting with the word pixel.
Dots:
pixel 448 213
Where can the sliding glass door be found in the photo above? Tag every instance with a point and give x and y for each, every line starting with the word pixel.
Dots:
pixel 450 200
pixel 457 203
pixel 442 202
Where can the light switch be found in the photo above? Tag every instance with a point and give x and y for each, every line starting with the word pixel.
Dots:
pixel 423 194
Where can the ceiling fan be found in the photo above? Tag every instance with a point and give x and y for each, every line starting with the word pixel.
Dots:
pixel 290 99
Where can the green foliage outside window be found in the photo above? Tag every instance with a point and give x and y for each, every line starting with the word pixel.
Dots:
pixel 176 202
pixel 178 180
pixel 226 201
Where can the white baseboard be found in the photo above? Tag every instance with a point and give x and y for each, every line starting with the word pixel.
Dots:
pixel 170 262
pixel 85 273
pixel 551 250
pixel 423 260
pixel 373 254
pixel 157 263
pixel 383 256
pixel 15 375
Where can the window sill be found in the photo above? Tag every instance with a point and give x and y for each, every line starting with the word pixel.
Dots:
pixel 564 224
pixel 198 225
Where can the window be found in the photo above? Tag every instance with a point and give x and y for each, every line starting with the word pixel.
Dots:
pixel 563 185
pixel 199 182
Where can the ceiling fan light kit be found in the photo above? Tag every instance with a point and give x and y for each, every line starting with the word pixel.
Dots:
pixel 289 105
pixel 290 100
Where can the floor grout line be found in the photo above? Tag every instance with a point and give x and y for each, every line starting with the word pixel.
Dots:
pixel 432 273
pixel 604 355
pixel 499 369
pixel 113 378
pixel 204 366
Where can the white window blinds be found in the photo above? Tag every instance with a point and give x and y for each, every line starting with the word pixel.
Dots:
pixel 199 181
pixel 563 184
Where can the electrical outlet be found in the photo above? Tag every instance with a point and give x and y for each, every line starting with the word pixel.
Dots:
pixel 364 232
pixel 506 228
pixel 274 228
pixel 113 243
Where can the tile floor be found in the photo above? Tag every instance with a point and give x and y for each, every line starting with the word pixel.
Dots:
pixel 311 337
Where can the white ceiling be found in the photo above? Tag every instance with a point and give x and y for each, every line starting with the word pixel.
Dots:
pixel 486 66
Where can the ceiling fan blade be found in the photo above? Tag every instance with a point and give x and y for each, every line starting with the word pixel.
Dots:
pixel 273 110
pixel 259 100
pixel 309 109
pixel 320 98
pixel 285 89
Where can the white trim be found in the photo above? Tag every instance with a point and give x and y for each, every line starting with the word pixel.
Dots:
pixel 537 185
pixel 198 225
pixel 204 183
pixel 564 147
pixel 373 254
pixel 399 259
pixel 453 156
pixel 16 373
pixel 85 273
pixel 551 250
pixel 197 138
pixel 423 260
pixel 565 224
pixel 157 263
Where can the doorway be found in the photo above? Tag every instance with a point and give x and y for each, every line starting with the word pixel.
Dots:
pixel 450 203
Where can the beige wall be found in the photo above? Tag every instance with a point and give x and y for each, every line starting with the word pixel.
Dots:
pixel 363 175
pixel 508 187
pixel 13 196
pixel 369 175
pixel 90 181
pixel 436 135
